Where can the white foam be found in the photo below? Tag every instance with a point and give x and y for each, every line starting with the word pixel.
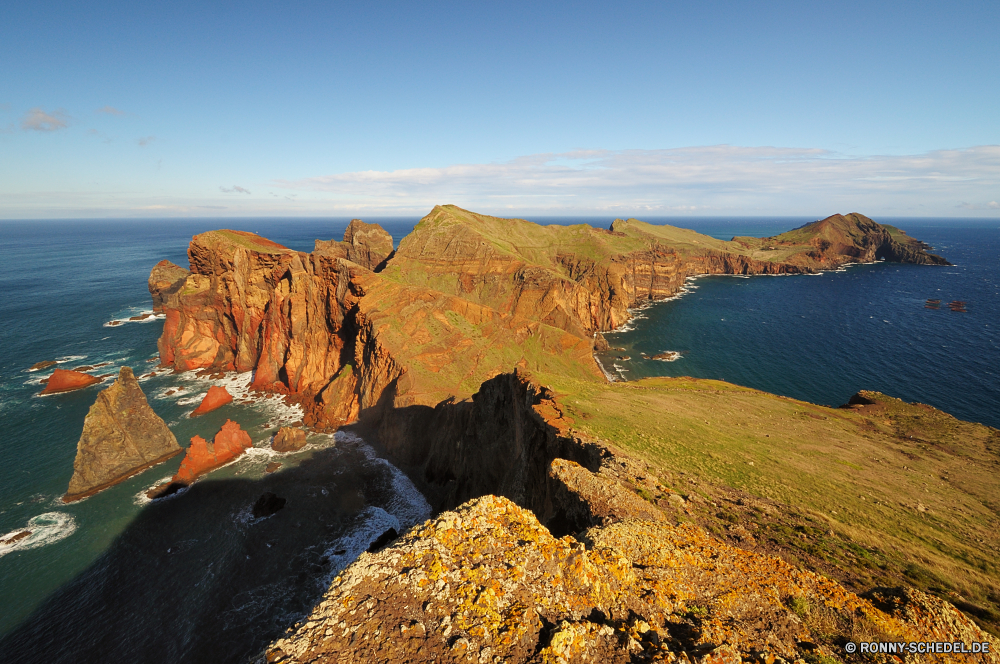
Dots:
pixel 116 322
pixel 373 522
pixel 46 528
pixel 142 499
pixel 70 358
pixel 177 393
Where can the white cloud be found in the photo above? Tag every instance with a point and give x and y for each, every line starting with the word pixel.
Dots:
pixel 110 110
pixel 235 189
pixel 719 179
pixel 145 140
pixel 38 120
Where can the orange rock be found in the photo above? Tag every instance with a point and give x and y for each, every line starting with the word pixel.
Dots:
pixel 216 398
pixel 203 456
pixel 65 380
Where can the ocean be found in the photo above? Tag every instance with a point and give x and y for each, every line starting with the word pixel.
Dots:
pixel 824 337
pixel 196 578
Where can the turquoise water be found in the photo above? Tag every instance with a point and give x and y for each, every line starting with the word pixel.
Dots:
pixel 194 578
pixel 822 338
pixel 62 283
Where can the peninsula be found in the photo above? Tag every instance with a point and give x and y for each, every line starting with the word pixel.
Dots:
pixel 660 520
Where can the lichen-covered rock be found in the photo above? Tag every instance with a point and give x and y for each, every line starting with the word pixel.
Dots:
pixel 581 499
pixel 217 397
pixel 288 439
pixel 67 380
pixel 121 436
pixel 488 583
pixel 203 456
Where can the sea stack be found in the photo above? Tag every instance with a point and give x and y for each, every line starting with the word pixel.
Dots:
pixel 203 456
pixel 216 398
pixel 121 437
pixel 65 380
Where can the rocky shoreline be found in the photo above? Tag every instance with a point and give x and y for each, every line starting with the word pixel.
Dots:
pixel 549 544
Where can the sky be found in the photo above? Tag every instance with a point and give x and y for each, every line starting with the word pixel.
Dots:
pixel 140 109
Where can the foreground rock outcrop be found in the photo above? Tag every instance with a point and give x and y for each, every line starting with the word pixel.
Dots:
pixel 67 380
pixel 121 437
pixel 488 583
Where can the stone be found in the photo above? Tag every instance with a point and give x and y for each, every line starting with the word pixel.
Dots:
pixel 271 467
pixel 267 505
pixel 67 380
pixel 382 540
pixel 16 537
pixel 121 437
pixel 288 439
pixel 202 456
pixel 217 397
pixel 38 366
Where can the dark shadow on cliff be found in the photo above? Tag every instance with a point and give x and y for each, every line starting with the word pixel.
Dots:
pixel 195 578
pixel 500 442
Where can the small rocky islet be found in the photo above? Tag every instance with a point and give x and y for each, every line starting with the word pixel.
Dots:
pixel 549 544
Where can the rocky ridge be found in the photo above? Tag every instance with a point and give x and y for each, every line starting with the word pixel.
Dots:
pixel 488 583
pixel 418 347
pixel 121 437
pixel 464 297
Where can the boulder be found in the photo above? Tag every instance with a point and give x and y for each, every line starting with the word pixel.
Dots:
pixel 382 540
pixel 121 437
pixel 267 505
pixel 38 366
pixel 16 537
pixel 216 398
pixel 66 380
pixel 288 439
pixel 203 456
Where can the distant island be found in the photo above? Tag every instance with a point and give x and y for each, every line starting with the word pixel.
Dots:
pixel 565 530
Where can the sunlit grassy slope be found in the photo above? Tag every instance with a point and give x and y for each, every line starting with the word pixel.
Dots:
pixel 885 493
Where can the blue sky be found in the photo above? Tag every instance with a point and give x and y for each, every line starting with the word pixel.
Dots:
pixel 724 108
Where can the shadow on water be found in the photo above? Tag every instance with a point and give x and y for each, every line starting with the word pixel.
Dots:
pixel 196 578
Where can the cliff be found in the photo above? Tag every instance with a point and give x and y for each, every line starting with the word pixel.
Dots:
pixel 121 437
pixel 839 239
pixel 465 297
pixel 440 350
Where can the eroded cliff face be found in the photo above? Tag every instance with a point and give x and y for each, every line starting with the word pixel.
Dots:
pixel 465 297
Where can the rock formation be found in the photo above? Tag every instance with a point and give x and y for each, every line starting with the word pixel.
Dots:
pixel 289 439
pixel 488 583
pixel 203 456
pixel 121 437
pixel 465 297
pixel 368 245
pixel 559 547
pixel 45 364
pixel 164 276
pixel 67 380
pixel 267 505
pixel 216 397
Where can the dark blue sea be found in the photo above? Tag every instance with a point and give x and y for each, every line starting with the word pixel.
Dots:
pixel 115 578
pixel 822 338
